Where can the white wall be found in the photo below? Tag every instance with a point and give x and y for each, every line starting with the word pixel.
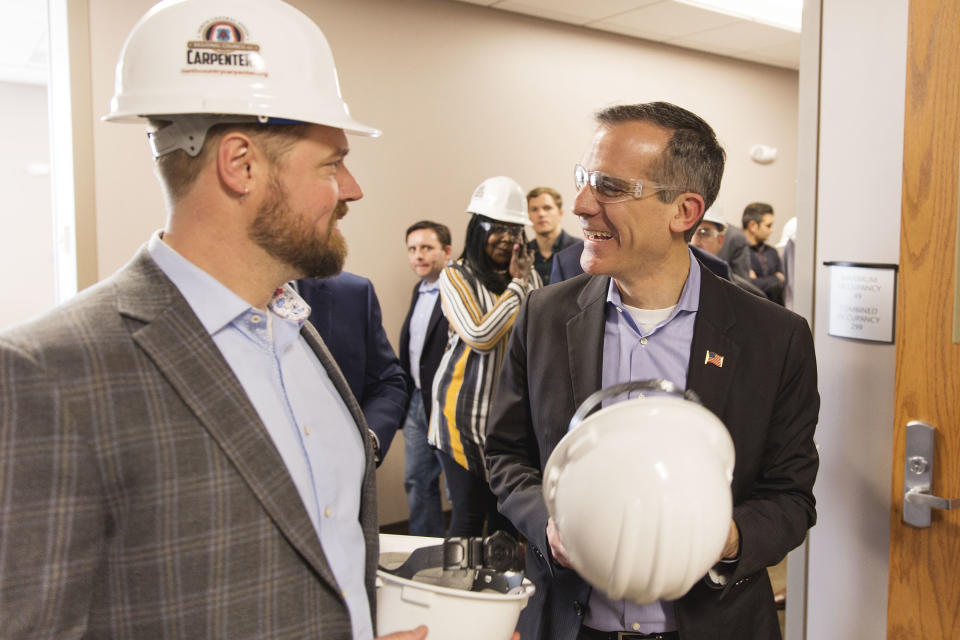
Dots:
pixel 462 93
pixel 863 70
pixel 25 215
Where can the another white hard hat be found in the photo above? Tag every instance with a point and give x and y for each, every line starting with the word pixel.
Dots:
pixel 500 198
pixel 260 59
pixel 714 215
pixel 789 232
pixel 448 611
pixel 640 493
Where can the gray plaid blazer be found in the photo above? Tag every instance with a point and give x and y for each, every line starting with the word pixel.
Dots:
pixel 140 494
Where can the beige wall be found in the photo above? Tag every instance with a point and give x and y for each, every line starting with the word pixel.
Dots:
pixel 462 93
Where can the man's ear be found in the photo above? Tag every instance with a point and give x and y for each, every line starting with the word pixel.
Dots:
pixel 720 239
pixel 235 163
pixel 448 252
pixel 690 208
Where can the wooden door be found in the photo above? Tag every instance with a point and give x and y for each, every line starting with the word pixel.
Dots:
pixel 925 563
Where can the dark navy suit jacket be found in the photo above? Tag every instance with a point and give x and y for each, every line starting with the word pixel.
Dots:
pixel 346 313
pixel 566 263
pixel 434 345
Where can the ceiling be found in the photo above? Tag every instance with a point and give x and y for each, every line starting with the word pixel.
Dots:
pixel 670 22
pixel 23 30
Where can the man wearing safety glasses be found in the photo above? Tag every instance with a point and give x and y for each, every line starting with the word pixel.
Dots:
pixel 648 309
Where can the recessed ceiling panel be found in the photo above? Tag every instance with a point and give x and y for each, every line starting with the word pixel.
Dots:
pixel 668 19
pixel 740 36
pixel 672 22
pixel 574 11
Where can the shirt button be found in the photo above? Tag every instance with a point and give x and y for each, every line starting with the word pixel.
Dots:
pixel 255 319
pixel 636 626
pixel 643 341
pixel 306 429
pixel 328 512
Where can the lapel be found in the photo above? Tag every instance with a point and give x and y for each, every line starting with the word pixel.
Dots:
pixel 714 318
pixel 177 343
pixel 435 316
pixel 321 309
pixel 585 339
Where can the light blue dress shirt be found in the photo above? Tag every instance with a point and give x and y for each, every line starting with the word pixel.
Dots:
pixel 630 353
pixel 419 321
pixel 307 419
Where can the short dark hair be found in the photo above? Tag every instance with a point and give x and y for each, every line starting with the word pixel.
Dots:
pixel 693 158
pixel 754 212
pixel 442 231
pixel 550 191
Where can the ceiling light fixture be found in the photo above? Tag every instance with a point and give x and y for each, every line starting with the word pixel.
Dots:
pixel 783 14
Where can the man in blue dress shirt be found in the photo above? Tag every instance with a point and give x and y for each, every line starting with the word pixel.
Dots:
pixel 423 339
pixel 646 308
pixel 181 456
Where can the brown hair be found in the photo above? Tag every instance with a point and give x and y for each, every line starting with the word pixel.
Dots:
pixel 178 170
pixel 550 191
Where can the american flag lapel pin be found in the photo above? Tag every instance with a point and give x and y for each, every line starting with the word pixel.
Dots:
pixel 714 358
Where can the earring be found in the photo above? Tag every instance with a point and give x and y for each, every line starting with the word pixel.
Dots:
pixel 244 194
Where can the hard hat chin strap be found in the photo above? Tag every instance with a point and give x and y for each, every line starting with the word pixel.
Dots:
pixel 497 561
pixel 657 384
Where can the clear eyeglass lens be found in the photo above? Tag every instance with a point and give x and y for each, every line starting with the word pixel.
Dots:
pixel 605 188
pixel 705 232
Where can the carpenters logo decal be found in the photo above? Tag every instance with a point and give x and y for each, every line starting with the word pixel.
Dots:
pixel 222 47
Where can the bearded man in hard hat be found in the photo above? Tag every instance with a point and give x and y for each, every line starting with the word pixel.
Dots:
pixel 647 309
pixel 180 455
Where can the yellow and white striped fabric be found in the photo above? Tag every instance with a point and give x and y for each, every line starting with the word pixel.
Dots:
pixel 463 387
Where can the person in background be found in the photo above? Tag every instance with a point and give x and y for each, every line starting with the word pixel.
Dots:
pixel 710 237
pixel 423 339
pixel 346 313
pixel 766 270
pixel 787 248
pixel 545 208
pixel 481 294
pixel 735 250
pixel 649 309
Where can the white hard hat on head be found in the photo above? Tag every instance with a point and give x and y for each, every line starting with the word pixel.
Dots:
pixel 715 215
pixel 211 61
pixel 448 594
pixel 640 493
pixel 500 198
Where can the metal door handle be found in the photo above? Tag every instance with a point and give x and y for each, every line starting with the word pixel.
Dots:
pixel 915 496
pixel 918 475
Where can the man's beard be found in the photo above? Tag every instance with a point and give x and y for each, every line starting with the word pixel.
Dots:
pixel 285 236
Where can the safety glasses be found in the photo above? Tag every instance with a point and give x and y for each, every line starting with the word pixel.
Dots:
pixel 501 228
pixel 609 189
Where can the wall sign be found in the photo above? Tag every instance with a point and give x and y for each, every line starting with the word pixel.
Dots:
pixel 863 300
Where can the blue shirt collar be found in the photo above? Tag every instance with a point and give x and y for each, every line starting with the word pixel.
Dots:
pixel 429 287
pixel 689 296
pixel 216 305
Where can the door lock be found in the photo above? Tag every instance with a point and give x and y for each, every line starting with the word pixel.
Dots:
pixel 918 476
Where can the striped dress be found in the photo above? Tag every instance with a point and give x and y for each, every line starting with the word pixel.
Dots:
pixel 480 324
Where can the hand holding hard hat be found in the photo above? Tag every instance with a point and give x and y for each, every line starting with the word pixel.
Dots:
pixel 640 493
